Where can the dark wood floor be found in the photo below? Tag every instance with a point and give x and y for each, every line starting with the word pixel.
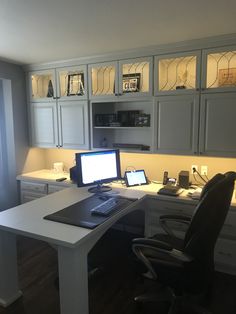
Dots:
pixel 111 290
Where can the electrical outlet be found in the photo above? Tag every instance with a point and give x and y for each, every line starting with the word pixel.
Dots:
pixel 192 167
pixel 204 170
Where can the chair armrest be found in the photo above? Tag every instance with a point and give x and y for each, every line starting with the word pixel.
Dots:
pixel 152 243
pixel 149 250
pixel 164 219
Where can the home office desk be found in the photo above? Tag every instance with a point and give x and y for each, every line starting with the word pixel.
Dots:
pixel 73 242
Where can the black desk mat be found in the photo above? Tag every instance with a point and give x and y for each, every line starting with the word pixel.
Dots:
pixel 79 213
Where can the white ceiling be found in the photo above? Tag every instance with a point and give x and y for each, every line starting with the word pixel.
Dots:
pixel 35 31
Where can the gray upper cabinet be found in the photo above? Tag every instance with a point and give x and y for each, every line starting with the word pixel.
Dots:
pixel 44 125
pixel 73 124
pixel 172 103
pixel 41 85
pixel 217 126
pixel 68 83
pixel 127 78
pixel 219 70
pixel 177 124
pixel 176 74
pixel 60 125
pixel 58 109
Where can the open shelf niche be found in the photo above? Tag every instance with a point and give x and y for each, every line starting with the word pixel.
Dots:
pixel 126 125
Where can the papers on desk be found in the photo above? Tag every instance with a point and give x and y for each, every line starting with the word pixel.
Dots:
pixel 195 193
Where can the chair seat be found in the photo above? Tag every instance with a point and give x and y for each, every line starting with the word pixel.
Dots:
pixel 175 242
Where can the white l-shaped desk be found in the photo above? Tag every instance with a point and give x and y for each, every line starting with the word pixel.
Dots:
pixel 73 242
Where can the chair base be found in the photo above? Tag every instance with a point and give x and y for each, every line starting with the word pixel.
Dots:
pixel 184 304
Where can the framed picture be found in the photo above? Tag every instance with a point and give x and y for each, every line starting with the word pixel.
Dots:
pixel 75 84
pixel 227 77
pixel 142 119
pixel 131 82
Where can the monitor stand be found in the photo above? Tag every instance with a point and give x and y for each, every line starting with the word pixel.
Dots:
pixel 100 188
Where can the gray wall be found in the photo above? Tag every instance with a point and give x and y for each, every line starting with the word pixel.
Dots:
pixel 15 144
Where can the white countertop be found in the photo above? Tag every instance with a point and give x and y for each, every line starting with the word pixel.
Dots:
pixel 46 176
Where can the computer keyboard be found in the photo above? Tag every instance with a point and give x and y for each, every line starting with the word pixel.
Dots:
pixel 108 206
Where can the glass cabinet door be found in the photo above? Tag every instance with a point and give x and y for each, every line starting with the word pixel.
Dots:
pixel 219 68
pixel 103 79
pixel 72 83
pixel 135 77
pixel 42 85
pixel 178 73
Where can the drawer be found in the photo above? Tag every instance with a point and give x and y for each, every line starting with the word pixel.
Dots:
pixel 28 196
pixel 55 188
pixel 156 207
pixel 225 252
pixel 33 186
pixel 229 228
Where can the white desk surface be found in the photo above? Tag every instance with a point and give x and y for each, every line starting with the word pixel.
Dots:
pixel 27 219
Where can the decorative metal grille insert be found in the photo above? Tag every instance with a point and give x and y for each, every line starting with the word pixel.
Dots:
pixel 221 69
pixel 103 80
pixel 138 75
pixel 177 73
pixel 42 86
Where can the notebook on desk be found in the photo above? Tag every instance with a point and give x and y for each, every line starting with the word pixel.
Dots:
pixel 80 214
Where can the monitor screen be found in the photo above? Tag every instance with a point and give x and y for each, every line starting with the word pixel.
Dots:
pixel 98 167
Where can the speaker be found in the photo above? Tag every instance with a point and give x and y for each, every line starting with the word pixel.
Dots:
pixel 184 179
pixel 74 174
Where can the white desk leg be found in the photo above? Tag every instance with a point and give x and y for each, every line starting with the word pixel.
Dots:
pixel 73 280
pixel 9 290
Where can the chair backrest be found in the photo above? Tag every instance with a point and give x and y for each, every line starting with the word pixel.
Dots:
pixel 209 218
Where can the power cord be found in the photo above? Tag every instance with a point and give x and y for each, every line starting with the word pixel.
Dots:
pixel 200 176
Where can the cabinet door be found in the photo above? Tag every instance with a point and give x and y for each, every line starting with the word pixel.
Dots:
pixel 217 126
pixel 73 124
pixel 219 70
pixel 44 127
pixel 135 77
pixel 72 83
pixel 177 73
pixel 177 124
pixel 42 86
pixel 103 80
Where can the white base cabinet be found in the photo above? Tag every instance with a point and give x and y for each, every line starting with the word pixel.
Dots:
pixel 32 190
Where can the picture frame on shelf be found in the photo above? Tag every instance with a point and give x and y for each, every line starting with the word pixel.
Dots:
pixel 142 120
pixel 131 82
pixel 75 84
pixel 227 77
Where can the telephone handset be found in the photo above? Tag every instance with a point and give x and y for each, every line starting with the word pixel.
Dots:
pixel 165 178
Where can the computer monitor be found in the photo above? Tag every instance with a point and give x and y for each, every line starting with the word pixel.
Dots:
pixel 98 167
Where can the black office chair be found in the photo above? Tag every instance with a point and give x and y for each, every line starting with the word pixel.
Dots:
pixel 185 267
